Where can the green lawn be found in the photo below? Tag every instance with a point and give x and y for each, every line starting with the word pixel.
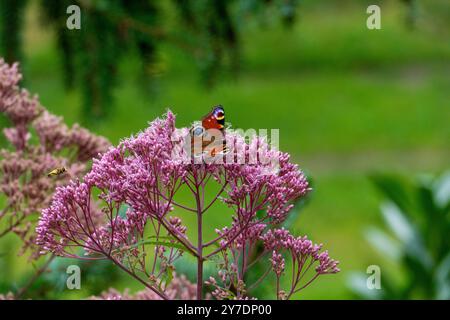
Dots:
pixel 347 101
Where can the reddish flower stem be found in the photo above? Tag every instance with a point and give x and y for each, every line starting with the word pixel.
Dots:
pixel 199 200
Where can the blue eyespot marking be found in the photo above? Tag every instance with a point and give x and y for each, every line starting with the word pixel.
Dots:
pixel 198 131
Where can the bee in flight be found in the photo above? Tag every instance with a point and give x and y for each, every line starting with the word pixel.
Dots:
pixel 56 172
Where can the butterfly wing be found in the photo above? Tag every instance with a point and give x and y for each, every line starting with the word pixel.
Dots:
pixel 215 119
pixel 210 142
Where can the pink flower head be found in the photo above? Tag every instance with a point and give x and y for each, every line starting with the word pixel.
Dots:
pixel 52 132
pixel 303 253
pixel 25 165
pixel 278 263
pixel 134 186
pixel 142 173
pixel 179 288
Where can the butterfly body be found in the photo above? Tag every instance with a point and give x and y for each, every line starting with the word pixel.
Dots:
pixel 56 172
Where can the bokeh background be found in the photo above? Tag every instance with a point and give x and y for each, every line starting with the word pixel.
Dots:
pixel 349 102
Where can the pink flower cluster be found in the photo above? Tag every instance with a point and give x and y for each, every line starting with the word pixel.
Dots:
pixel 134 185
pixel 304 254
pixel 307 262
pixel 277 240
pixel 180 288
pixel 24 166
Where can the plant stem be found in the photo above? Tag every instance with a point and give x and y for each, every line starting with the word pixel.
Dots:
pixel 200 259
pixel 39 272
pixel 278 287
pixel 121 266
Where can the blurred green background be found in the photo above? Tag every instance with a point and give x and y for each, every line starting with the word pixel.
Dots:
pixel 348 102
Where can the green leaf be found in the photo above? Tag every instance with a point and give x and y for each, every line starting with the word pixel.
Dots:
pixel 442 279
pixel 397 222
pixel 158 242
pixel 357 282
pixel 441 190
pixel 167 277
pixel 393 189
pixel 404 230
pixel 123 211
pixel 436 223
pixel 187 266
pixel 385 245
pixel 426 201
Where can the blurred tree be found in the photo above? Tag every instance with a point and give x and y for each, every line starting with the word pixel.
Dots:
pixel 11 21
pixel 418 216
pixel 112 28
pixel 412 14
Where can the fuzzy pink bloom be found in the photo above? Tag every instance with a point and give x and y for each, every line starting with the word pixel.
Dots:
pixel 24 166
pixel 301 248
pixel 304 255
pixel 278 263
pixel 136 184
pixel 142 174
pixel 52 132
pixel 88 145
pixel 180 288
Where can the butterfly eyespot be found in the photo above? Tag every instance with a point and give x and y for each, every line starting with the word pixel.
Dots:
pixel 198 131
pixel 220 115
